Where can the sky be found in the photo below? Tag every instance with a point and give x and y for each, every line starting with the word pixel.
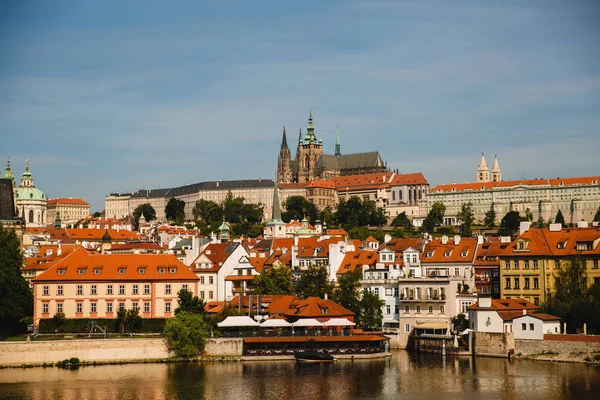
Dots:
pixel 114 96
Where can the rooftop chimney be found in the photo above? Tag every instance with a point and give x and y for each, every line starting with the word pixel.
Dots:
pixel 524 227
pixel 555 227
pixel 444 239
pixel 485 302
pixel 582 224
pixel 456 240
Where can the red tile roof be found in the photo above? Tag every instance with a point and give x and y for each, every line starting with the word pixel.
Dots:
pixel 588 180
pixel 96 234
pixel 67 200
pixel 356 259
pixel 111 265
pixel 543 242
pixel 507 305
pixel 436 252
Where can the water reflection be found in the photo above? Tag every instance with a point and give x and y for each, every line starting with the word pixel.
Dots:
pixel 409 375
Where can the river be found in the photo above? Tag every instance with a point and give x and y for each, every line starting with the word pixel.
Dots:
pixel 404 375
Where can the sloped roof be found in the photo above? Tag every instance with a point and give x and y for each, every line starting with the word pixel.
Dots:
pixel 356 259
pixel 67 200
pixel 587 180
pixel 507 305
pixel 435 251
pixel 543 242
pixel 401 244
pixel 96 234
pixel 314 307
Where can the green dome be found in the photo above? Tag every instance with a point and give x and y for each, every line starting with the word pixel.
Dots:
pixel 30 193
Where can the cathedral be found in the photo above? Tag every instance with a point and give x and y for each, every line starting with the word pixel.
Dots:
pixel 310 162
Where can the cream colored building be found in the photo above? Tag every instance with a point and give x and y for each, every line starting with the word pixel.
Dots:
pixel 70 210
pixel 86 285
pixel 116 205
pixel 31 201
pixel 577 198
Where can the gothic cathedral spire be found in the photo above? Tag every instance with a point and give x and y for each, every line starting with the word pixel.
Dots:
pixel 338 149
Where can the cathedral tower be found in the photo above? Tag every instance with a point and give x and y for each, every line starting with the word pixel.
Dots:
pixel 284 164
pixel 496 173
pixel 309 152
pixel 483 172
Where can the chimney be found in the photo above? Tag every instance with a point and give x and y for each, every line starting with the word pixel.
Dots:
pixel 582 224
pixel 524 311
pixel 387 238
pixel 524 227
pixel 444 239
pixel 555 227
pixel 456 240
pixel 485 302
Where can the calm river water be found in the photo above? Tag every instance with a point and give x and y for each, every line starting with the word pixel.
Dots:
pixel 404 375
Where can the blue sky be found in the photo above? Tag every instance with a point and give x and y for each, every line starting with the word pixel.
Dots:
pixel 107 96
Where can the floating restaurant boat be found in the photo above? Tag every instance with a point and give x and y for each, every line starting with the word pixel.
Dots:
pixel 313 356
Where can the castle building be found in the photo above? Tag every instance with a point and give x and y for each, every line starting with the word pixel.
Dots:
pixel 310 162
pixel 31 201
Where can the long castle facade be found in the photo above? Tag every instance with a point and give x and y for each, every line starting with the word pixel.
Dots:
pixel 310 162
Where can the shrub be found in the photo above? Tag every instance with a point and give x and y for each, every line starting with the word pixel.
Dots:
pixel 186 334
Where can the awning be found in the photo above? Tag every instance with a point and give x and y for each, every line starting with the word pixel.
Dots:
pixel 307 322
pixel 432 325
pixel 275 323
pixel 339 322
pixel 237 321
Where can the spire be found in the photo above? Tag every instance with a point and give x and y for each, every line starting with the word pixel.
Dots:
pixel 300 137
pixel 284 144
pixel 496 167
pixel 338 151
pixel 310 131
pixel 276 214
pixel 482 164
pixel 496 173
pixel 9 173
pixel 57 220
pixel 483 172
pixel 27 179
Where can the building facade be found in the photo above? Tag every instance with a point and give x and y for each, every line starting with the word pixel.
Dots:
pixel 69 210
pixel 31 201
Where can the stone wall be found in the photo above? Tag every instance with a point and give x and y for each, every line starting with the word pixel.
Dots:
pixel 568 349
pixel 17 353
pixel 224 347
pixel 493 344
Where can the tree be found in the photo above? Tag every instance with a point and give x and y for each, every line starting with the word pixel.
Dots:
pixel 97 214
pixel 16 299
pixel 358 213
pixel 175 209
pixel 189 303
pixel 528 215
pixel 130 320
pixel 402 221
pixel 314 282
pixel 297 207
pixel 274 280
pixel 147 210
pixel 207 211
pixel 370 316
pixel 434 217
pixel 509 223
pixel 186 334
pixel 59 320
pixel 347 293
pixel 233 208
pixel 597 216
pixel 559 219
pixel 466 217
pixel 572 300
pixel 460 323
pixel 490 218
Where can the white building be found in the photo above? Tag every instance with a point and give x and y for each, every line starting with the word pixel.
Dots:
pixel 534 326
pixel 31 201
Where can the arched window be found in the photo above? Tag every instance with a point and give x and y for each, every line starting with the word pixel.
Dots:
pixel 31 216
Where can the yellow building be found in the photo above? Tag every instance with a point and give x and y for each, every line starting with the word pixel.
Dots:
pixel 69 210
pixel 528 264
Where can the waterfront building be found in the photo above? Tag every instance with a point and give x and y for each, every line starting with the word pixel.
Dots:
pixel 92 285
pixel 31 201
pixel 529 263
pixel 487 265
pixel 535 326
pixel 69 210
pixel 496 315
pixel 577 198
pixel 310 163
pixel 38 258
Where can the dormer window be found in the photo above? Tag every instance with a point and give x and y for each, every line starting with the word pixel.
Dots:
pixel 464 253
pixel 430 254
pixel 582 246
pixel 447 254
pixel 81 271
pixel 324 310
pixel 172 270
pixel 97 271
pixel 141 271
pixel 561 245
pixel 122 271
pixel 162 270
pixel 61 271
pixel 521 245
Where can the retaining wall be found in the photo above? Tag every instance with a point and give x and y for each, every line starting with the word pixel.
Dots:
pixel 559 348
pixel 493 344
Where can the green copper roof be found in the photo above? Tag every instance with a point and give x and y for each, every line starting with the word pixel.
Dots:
pixel 30 193
pixel 9 174
pixel 276 214
pixel 310 131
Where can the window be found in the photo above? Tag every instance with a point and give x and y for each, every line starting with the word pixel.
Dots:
pixel 210 295
pixel 595 264
pixel 184 286
pixel 146 306
pixel 94 289
pixel 531 327
pixel 109 307
pixel 395 292
pixel 161 270
pixel 135 289
pixel 210 280
pixel 59 290
pixel 376 291
pixel 61 271
pixel 388 309
pixel 135 306
pixel 45 308
pixel 526 264
pixel 46 290
pixel 121 289
pixel 442 310
pixel 536 283
pixel 202 280
pixel 430 309
pixel 168 306
pixel 121 306
pixel 535 264
pixel 172 270
pixel 122 271
pixel 536 301
pixel 507 264
pixel 168 288
pixel 523 327
pixel 141 271
pixel 396 309
pixel 456 271
pixel 388 291
pixel 521 245
pixel 516 264
pixel 202 294
pixel 407 309
pixel 79 308
pixel 406 328
pixel 93 307
pixel 79 289
pixel 109 289
pixel 97 271
pixel 80 271
pixel 146 289
pixel 526 283
pixel 59 307
pixel 507 283
pixel 418 309
pixel 517 281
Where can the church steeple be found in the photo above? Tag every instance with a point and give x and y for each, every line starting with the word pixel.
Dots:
pixel 284 144
pixel 9 174
pixel 310 131
pixel 483 172
pixel 284 162
pixel 338 150
pixel 496 173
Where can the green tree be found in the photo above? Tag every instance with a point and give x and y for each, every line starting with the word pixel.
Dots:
pixel 16 299
pixel 175 209
pixel 434 217
pixel 207 211
pixel 559 219
pixel 149 214
pixel 509 223
pixel 540 222
pixel 597 216
pixel 358 213
pixel 402 221
pixel 59 320
pixel 528 215
pixel 371 315
pixel 572 301
pixel 132 320
pixel 297 207
pixel 466 217
pixel 186 334
pixel 328 216
pixel 256 230
pixel 347 293
pixel 459 323
pixel 490 218
pixel 97 214
pixel 273 281
pixel 233 208
pixel 189 303
pixel 313 282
